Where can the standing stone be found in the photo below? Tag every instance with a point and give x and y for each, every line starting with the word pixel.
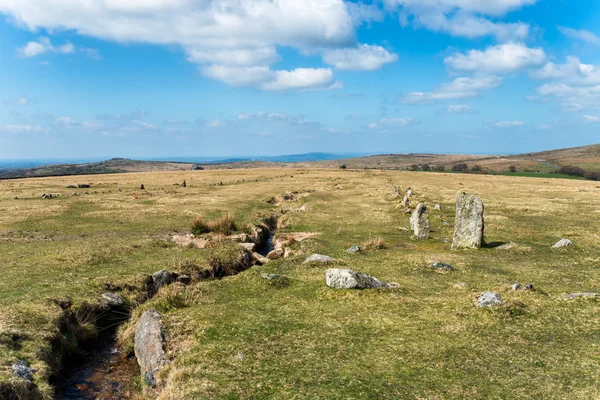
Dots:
pixel 149 344
pixel 468 225
pixel 406 201
pixel 419 222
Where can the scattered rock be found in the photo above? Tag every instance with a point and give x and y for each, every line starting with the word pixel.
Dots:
pixel 437 207
pixel 185 279
pixel 113 299
pixel 189 240
pixel 260 258
pixel 409 192
pixel 419 222
pixel 22 370
pixel 516 286
pixel 84 185
pixel 162 278
pixel 529 286
pixel 586 295
pixel 318 258
pixel 489 299
pixel 142 187
pixel 441 267
pixel 149 342
pixel 275 254
pixel 249 246
pixel 469 224
pixel 269 277
pixel 562 243
pixel 402 228
pixel 406 202
pixel 339 278
pixel 353 249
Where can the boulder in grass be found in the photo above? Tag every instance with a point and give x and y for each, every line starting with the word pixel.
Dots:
pixel 22 370
pixel 339 278
pixel 441 267
pixel 585 295
pixel 562 243
pixel 489 299
pixel 149 345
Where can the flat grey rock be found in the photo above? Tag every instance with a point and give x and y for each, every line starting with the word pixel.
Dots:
pixel 113 299
pixel 489 299
pixel 587 295
pixel 353 249
pixel 320 258
pixel 441 266
pixel 22 370
pixel 269 277
pixel 562 243
pixel 340 278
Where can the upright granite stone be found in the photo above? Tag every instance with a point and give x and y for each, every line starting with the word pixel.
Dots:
pixel 468 225
pixel 149 344
pixel 419 222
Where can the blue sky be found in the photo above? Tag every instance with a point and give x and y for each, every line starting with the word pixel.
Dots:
pixel 214 78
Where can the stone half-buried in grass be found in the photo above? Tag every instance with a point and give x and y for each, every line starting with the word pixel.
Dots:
pixel 339 278
pixel 318 258
pixel 489 299
pixel 150 342
pixel 562 243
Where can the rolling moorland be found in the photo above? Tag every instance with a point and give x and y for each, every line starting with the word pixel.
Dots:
pixel 233 334
pixel 544 164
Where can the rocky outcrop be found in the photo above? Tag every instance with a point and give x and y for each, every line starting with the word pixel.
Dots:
pixel 469 224
pixel 149 343
pixel 419 222
pixel 339 278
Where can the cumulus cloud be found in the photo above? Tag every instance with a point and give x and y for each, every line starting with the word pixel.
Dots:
pixel 459 88
pixel 364 57
pixel 505 124
pixel 591 118
pixel 392 122
pixel 234 41
pixel 464 18
pixel 574 84
pixel 21 129
pixel 503 58
pixel 45 46
pixel 580 34
pixel 458 108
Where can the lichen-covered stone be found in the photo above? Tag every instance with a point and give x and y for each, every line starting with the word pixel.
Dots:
pixel 469 224
pixel 339 278
pixel 562 243
pixel 419 222
pixel 318 258
pixel 149 342
pixel 489 299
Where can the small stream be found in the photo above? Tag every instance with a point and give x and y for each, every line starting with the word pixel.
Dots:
pixel 268 246
pixel 106 375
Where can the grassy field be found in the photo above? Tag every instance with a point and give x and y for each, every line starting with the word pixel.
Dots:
pixel 243 338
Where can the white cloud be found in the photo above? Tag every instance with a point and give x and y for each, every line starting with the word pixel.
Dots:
pixel 21 128
pixel 458 108
pixel 460 88
pixel 392 122
pixel 505 124
pixel 575 85
pixel 591 118
pixel 45 46
pixel 267 79
pixel 464 18
pixel 234 41
pixel 215 123
pixel 23 101
pixel 503 58
pixel 364 57
pixel 580 34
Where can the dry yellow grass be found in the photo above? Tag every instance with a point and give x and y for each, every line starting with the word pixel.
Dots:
pixel 422 340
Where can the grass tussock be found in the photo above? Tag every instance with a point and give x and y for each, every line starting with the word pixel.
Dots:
pixel 225 258
pixel 374 243
pixel 225 225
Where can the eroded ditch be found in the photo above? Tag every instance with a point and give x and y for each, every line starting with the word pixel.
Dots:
pixel 106 372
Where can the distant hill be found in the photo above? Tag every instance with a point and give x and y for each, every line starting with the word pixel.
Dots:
pixel 586 157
